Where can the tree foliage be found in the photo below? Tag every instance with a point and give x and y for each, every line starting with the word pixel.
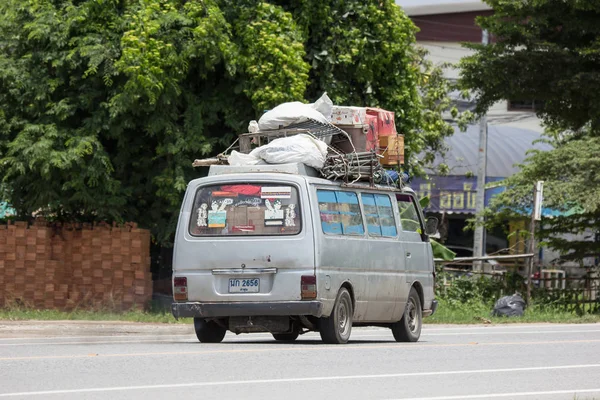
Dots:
pixel 105 103
pixel 548 51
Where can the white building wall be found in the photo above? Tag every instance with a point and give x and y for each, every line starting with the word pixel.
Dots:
pixel 450 52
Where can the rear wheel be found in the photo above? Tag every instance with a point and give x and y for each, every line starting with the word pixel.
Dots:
pixel 408 329
pixel 286 337
pixel 208 331
pixel 337 327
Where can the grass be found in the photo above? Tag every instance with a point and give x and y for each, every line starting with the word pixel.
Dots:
pixel 470 313
pixel 479 312
pixel 155 314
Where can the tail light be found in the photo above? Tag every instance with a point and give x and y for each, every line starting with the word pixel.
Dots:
pixel 308 287
pixel 180 292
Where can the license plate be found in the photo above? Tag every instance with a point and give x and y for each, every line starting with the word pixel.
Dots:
pixel 251 285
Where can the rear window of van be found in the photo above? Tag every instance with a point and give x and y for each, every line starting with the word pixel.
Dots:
pixel 245 209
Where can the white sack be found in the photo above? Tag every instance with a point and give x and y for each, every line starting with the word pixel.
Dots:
pixel 253 127
pixel 237 158
pixel 295 112
pixel 293 149
pixel 324 105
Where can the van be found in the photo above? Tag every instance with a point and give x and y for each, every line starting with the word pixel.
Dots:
pixel 276 248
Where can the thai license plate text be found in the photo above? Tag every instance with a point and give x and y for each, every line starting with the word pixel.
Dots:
pixel 251 285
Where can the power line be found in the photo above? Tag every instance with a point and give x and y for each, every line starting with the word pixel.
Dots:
pixel 473 27
pixel 446 36
pixel 446 47
pixel 446 31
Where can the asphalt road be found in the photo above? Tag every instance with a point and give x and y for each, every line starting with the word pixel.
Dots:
pixel 124 361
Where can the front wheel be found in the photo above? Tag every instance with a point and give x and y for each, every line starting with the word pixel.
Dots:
pixel 337 327
pixel 208 331
pixel 408 329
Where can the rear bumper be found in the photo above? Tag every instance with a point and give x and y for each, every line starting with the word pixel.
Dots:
pixel 243 309
pixel 428 313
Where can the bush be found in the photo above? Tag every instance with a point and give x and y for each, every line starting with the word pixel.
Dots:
pixel 467 289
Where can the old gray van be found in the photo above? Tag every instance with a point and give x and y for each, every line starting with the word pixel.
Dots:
pixel 275 248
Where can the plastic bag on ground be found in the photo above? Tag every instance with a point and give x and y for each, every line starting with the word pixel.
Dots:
pixel 295 112
pixel 509 306
pixel 293 149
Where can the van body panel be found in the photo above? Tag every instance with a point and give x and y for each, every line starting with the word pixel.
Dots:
pixel 379 270
pixel 373 266
pixel 209 262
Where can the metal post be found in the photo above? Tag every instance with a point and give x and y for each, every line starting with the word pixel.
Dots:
pixel 479 235
pixel 536 214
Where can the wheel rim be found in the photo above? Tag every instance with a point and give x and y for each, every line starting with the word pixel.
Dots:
pixel 343 317
pixel 413 317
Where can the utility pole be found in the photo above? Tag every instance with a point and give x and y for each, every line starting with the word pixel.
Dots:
pixel 536 215
pixel 479 236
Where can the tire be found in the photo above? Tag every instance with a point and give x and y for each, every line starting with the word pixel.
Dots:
pixel 336 328
pixel 286 337
pixel 208 331
pixel 408 329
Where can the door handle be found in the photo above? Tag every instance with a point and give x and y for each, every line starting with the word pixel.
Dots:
pixel 407 254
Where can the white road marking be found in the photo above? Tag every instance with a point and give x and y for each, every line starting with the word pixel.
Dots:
pixel 308 379
pixel 257 337
pixel 93 336
pixel 573 392
pixel 509 333
pixel 429 328
pixel 132 341
pixel 532 328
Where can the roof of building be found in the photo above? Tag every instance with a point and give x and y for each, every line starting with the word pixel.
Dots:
pixel 431 7
pixel 507 146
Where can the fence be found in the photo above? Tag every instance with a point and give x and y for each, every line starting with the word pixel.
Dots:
pixel 551 288
pixel 575 294
pixel 74 266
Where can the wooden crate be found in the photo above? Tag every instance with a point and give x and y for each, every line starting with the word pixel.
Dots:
pixel 392 150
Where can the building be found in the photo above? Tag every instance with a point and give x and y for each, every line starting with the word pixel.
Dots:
pixel 443 26
pixel 453 195
pixel 512 124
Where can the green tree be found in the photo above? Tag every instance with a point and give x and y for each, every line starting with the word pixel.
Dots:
pixel 104 104
pixel 364 53
pixel 548 51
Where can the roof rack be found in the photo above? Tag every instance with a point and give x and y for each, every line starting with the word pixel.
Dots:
pixel 313 127
pixel 348 167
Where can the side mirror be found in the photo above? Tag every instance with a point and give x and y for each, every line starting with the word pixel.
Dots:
pixel 431 226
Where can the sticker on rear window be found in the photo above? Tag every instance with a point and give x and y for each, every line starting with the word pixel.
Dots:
pixel 290 215
pixel 217 216
pixel 276 192
pixel 273 213
pixel 202 215
pixel 243 228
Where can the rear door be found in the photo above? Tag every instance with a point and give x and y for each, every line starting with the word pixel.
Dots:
pixel 245 239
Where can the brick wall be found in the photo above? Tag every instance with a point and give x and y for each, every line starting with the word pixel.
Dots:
pixel 75 266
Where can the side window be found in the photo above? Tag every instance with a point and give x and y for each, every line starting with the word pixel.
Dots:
pixel 379 215
pixel 409 217
pixel 340 213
